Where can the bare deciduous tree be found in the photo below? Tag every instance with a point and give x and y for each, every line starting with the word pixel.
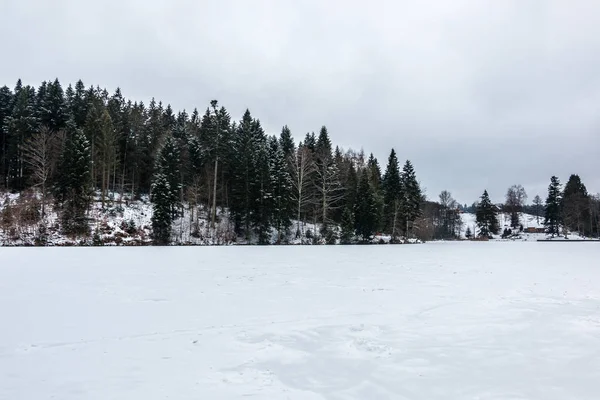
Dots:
pixel 40 154
pixel 302 166
pixel 329 190
pixel 515 200
pixel 538 204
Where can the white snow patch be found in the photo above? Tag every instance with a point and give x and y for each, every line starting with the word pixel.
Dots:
pixel 458 320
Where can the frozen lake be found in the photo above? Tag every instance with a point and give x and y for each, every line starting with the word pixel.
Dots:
pixel 436 321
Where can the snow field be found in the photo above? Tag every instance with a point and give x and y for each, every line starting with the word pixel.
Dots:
pixel 458 320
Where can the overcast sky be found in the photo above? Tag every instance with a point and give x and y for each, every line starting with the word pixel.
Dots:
pixel 478 94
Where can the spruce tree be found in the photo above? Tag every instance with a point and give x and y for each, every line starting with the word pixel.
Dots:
pixel 410 204
pixel 262 195
pixel 80 104
pixel 168 165
pixel 281 184
pixel 6 104
pixel 486 216
pixel 347 226
pixel 286 141
pixel 392 191
pixel 243 172
pixel 162 209
pixel 73 187
pixel 52 108
pixel 553 211
pixel 19 127
pixel 365 210
pixel 468 233
pixel 576 206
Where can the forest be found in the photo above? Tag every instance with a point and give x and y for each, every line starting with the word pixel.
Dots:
pixel 66 149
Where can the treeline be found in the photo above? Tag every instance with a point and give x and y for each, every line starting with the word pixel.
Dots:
pixel 571 209
pixel 84 142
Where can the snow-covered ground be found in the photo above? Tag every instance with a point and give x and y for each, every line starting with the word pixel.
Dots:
pixel 458 320
pixel 528 221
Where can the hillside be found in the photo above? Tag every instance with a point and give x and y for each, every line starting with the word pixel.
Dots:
pixel 527 220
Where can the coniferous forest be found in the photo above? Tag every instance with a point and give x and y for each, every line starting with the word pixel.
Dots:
pixel 68 148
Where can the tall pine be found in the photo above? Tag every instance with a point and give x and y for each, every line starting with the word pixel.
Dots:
pixel 553 209
pixel 487 216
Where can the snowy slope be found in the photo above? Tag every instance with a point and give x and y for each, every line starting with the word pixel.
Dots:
pixel 438 321
pixel 527 220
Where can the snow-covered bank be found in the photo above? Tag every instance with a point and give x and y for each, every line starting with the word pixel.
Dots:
pixel 437 321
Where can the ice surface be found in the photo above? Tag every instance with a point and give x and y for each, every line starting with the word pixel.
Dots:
pixel 434 321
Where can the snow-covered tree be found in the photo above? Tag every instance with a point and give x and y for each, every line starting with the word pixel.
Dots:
pixel 73 188
pixel 410 204
pixel 281 185
pixel 365 210
pixel 487 216
pixel 553 209
pixel 161 207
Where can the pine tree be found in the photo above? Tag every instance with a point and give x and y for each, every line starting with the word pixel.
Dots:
pixel 243 172
pixel 80 104
pixel 468 233
pixel 347 226
pixel 287 143
pixel 576 206
pixel 52 107
pixel 168 165
pixel 161 206
pixel 6 104
pixel 374 172
pixel 263 200
pixel 281 184
pixel 410 204
pixel 392 191
pixel 106 151
pixel 538 207
pixel 73 187
pixel 329 191
pixel 553 209
pixel 487 216
pixel 20 126
pixel 365 210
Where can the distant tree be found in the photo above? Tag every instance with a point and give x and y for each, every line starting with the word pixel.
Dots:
pixel 410 203
pixel 553 211
pixel 106 151
pixel 6 104
pixel 575 206
pixel 286 141
pixel 302 169
pixel 347 226
pixel 168 166
pixel 40 153
pixel 161 207
pixel 515 200
pixel 52 107
pixel 73 188
pixel 365 210
pixel 263 201
pixel 281 185
pixel 468 233
pixel 392 195
pixel 328 188
pixel 22 123
pixel 449 221
pixel 486 216
pixel 538 206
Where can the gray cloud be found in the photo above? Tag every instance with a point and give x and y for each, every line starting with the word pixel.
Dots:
pixel 478 94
